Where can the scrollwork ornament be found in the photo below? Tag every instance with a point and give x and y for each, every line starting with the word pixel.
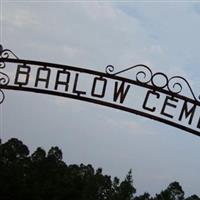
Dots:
pixel 4 79
pixel 110 69
pixel 2 96
pixel 158 80
pixel 6 53
pixel 144 74
pixel 160 77
pixel 176 87
pixel 2 65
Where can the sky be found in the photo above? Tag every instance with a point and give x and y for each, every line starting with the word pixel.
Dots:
pixel 93 34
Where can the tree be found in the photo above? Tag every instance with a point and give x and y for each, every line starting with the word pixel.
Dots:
pixel 14 168
pixel 45 176
pixel 55 153
pixel 13 150
pixel 193 197
pixel 145 196
pixel 39 155
pixel 173 192
pixel 124 190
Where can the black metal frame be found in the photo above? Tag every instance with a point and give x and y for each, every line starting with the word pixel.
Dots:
pixel 144 78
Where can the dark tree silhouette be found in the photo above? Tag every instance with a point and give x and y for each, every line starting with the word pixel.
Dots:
pixel 193 197
pixel 42 175
pixel 45 176
pixel 173 192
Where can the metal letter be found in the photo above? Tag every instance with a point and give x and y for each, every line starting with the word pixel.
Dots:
pixel 104 81
pixel 166 103
pixel 46 79
pixel 198 125
pixel 78 92
pixel 187 112
pixel 23 72
pixel 146 99
pixel 120 92
pixel 59 82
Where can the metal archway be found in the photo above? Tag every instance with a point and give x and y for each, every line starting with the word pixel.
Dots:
pixel 151 95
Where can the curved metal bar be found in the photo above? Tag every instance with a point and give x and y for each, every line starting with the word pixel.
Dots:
pixel 111 76
pixel 5 53
pixel 150 84
pixel 107 104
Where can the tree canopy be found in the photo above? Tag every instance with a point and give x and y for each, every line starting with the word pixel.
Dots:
pixel 41 175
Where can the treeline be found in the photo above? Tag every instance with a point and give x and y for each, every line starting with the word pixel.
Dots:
pixel 42 176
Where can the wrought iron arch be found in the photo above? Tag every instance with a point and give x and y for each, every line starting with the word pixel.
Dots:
pixel 171 88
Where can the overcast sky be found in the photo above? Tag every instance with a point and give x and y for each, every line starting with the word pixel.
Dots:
pixel 93 34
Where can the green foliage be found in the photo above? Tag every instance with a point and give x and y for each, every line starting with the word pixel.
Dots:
pixel 44 175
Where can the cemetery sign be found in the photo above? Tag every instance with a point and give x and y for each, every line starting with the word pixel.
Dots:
pixel 151 95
